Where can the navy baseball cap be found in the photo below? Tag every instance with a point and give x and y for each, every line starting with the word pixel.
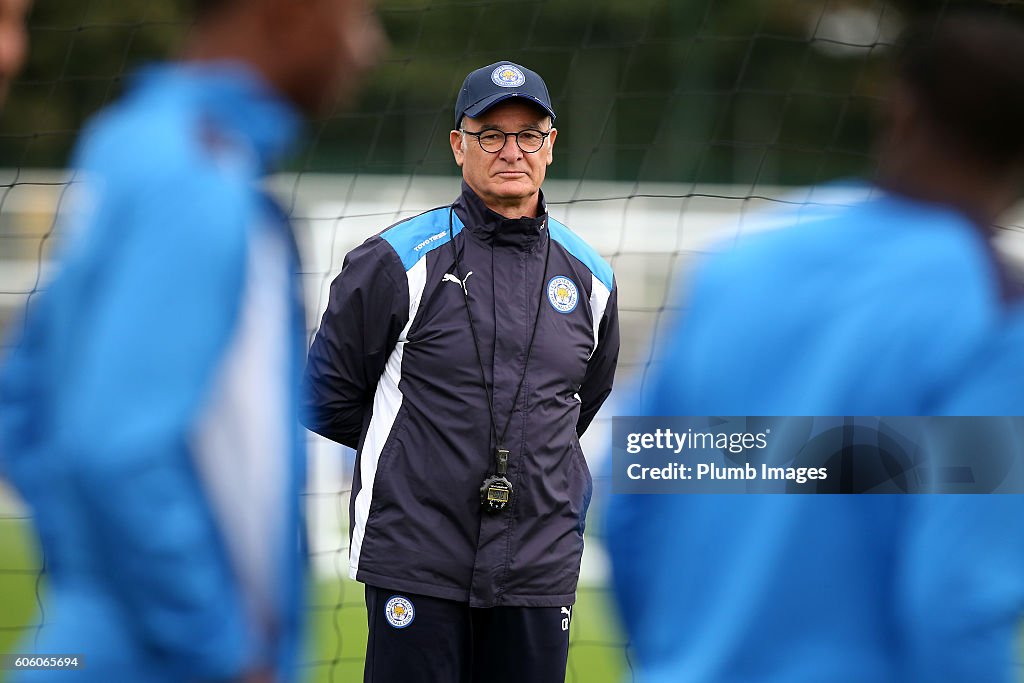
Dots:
pixel 497 82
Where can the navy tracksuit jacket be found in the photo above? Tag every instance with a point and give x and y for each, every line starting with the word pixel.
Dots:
pixel 393 371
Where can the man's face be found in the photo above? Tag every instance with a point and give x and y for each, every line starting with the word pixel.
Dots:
pixel 331 46
pixel 510 178
pixel 13 41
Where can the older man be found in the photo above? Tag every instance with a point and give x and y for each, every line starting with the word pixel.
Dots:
pixel 463 352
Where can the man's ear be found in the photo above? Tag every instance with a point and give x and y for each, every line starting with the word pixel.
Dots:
pixel 551 145
pixel 455 139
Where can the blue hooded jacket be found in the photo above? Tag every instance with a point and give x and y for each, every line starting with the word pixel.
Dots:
pixel 148 411
pixel 875 308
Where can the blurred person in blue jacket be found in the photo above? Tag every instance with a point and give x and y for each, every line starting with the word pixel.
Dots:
pixel 878 307
pixel 148 412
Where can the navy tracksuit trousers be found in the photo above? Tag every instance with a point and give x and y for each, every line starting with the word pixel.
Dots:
pixel 418 639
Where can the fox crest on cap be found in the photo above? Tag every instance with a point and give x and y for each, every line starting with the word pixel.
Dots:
pixel 508 76
pixel 498 82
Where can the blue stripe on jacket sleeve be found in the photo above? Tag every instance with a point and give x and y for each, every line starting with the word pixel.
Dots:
pixel 415 238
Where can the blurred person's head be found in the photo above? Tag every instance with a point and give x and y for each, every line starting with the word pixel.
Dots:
pixel 312 51
pixel 503 137
pixel 954 124
pixel 13 41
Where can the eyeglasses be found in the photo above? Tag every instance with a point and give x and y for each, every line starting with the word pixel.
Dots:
pixel 493 140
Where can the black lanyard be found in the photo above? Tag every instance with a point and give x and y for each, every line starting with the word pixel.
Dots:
pixel 496 491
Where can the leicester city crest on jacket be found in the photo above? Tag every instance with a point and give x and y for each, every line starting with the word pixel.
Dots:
pixel 399 611
pixel 562 294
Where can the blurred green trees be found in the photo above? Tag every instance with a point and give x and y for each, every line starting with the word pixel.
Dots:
pixel 744 91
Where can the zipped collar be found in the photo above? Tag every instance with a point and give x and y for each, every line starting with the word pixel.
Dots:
pixel 493 228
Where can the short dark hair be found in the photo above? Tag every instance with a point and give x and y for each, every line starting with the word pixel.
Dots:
pixel 965 66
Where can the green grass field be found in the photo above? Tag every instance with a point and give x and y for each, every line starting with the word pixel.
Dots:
pixel 337 620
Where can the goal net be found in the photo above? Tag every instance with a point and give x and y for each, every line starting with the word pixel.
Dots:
pixel 678 122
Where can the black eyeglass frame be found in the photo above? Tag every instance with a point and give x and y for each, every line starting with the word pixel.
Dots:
pixel 504 140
